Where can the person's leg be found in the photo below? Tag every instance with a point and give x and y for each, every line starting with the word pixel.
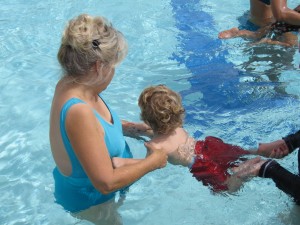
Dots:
pixel 102 214
pixel 286 40
pixel 299 162
pixel 247 34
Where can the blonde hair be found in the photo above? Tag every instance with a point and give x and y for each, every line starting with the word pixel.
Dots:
pixel 88 39
pixel 161 108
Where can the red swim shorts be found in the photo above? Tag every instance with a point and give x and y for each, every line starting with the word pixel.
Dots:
pixel 213 159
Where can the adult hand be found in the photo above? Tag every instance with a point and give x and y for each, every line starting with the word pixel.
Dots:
pixel 243 172
pixel 157 154
pixel 248 169
pixel 276 149
pixel 144 129
pixel 135 130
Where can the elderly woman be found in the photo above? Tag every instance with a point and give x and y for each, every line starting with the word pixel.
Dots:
pixel 85 132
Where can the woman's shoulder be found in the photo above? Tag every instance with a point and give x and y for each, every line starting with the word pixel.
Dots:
pixel 78 110
pixel 80 117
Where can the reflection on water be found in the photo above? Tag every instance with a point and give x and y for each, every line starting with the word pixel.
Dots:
pixel 291 216
pixel 218 84
pixel 103 214
pixel 266 63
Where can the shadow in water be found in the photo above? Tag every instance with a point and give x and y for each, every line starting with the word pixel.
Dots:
pixel 102 214
pixel 218 81
pixel 291 217
pixel 267 63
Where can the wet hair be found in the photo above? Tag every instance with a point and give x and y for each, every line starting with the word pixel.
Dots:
pixel 85 41
pixel 161 108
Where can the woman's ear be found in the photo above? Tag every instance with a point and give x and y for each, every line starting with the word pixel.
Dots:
pixel 97 66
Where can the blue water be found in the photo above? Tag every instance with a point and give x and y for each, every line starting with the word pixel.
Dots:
pixel 243 94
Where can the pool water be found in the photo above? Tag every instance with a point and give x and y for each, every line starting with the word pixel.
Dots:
pixel 240 93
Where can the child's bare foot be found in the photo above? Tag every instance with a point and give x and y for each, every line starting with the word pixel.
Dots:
pixel 233 32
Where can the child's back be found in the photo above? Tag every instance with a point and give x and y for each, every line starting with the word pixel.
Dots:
pixel 178 146
pixel 208 160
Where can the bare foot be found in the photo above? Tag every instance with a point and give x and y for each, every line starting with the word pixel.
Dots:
pixel 233 32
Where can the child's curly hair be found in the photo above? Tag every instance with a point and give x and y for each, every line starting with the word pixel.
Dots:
pixel 161 108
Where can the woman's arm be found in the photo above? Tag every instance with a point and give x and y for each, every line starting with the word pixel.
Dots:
pixel 87 138
pixel 136 130
pixel 119 162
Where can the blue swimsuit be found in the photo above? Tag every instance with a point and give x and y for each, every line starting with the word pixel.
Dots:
pixel 76 192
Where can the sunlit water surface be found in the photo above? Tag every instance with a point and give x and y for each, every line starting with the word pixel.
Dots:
pixel 242 94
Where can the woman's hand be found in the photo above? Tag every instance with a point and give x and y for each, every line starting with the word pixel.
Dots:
pixel 276 149
pixel 158 155
pixel 136 130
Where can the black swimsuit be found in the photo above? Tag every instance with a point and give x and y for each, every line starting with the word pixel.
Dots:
pixel 284 180
pixel 279 28
pixel 267 2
